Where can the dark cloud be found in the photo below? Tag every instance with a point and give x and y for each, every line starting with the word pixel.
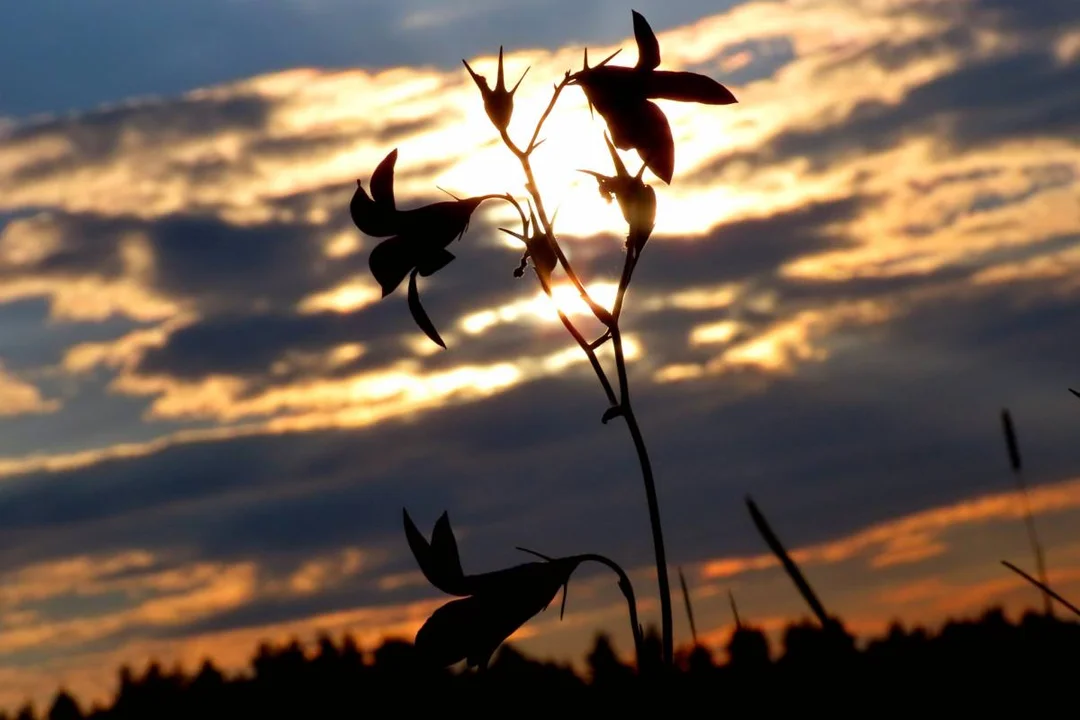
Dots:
pixel 248 343
pixel 96 137
pixel 219 265
pixel 138 50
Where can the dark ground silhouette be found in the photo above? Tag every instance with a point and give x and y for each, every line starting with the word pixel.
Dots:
pixel 988 663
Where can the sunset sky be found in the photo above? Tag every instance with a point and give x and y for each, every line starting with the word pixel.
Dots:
pixel 211 422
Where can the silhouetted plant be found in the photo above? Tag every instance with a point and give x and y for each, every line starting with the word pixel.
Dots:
pixel 494 604
pixel 1048 591
pixel 416 245
pixel 789 565
pixel 1013 446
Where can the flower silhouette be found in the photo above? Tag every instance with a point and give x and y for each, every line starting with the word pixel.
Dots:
pixel 498 101
pixel 494 604
pixel 621 96
pixel 417 238
pixel 538 247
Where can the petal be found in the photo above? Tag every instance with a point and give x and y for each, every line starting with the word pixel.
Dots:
pixel 391 261
pixel 382 181
pixel 423 321
pixel 434 262
pixel 370 217
pixel 444 545
pixel 644 127
pixel 465 629
pixel 438 224
pixel 647 45
pixel 687 87
pixel 473 628
pixel 419 545
pixel 438 560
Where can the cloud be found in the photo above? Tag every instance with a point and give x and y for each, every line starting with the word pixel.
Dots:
pixel 18 397
pixel 854 269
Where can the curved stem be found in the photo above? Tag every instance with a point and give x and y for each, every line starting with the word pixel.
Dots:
pixel 628 592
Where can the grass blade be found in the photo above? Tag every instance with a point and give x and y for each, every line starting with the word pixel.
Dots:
pixel 1042 586
pixel 689 608
pixel 1029 520
pixel 789 565
pixel 734 610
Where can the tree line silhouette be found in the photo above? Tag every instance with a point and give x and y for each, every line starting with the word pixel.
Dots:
pixel 815 668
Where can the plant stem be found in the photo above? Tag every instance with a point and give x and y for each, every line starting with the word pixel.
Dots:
pixel 628 592
pixel 610 320
pixel 598 310
pixel 650 496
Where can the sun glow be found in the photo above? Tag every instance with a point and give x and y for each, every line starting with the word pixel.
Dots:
pixel 541 309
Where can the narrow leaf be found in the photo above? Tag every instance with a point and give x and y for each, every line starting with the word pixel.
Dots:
pixel 1047 590
pixel 647 44
pixel 420 315
pixel 1010 440
pixel 734 610
pixel 789 565
pixel 689 607
pixel 1074 392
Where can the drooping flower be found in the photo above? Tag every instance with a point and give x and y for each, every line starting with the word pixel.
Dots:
pixel 417 238
pixel 621 96
pixel 636 199
pixel 493 605
pixel 538 247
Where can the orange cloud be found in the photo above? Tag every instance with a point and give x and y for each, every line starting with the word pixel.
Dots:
pixel 911 538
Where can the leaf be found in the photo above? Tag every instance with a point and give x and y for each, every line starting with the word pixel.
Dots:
pixel 1074 392
pixel 648 46
pixel 382 181
pixel 390 262
pixel 1042 586
pixel 687 87
pixel 789 565
pixel 1010 440
pixel 420 315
